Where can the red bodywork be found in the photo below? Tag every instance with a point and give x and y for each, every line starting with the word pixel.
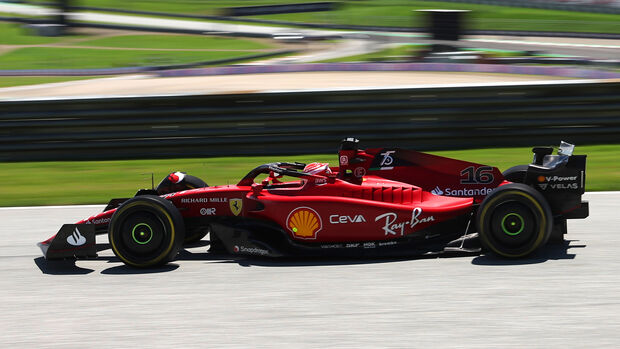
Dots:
pixel 374 195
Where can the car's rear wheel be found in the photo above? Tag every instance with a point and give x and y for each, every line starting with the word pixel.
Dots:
pixel 146 231
pixel 514 220
pixel 516 174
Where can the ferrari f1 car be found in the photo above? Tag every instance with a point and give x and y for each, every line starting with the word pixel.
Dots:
pixel 387 201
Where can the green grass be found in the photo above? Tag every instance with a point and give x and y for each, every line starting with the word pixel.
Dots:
pixel 84 182
pixel 406 51
pixel 176 42
pixel 14 34
pixel 395 13
pixel 63 58
pixel 9 81
pixel 400 13
pixel 51 183
pixel 193 7
pixel 154 50
pixel 12 14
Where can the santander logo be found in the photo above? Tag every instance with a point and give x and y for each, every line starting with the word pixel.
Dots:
pixel 76 239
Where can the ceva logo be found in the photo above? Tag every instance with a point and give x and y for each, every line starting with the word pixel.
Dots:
pixel 336 219
pixel 437 191
pixel 76 239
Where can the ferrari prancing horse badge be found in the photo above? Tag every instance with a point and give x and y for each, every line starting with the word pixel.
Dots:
pixel 235 206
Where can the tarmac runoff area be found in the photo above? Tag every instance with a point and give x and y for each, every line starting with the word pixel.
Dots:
pixel 566 296
pixel 136 85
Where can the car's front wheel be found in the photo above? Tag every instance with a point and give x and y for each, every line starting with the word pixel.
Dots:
pixel 146 231
pixel 514 220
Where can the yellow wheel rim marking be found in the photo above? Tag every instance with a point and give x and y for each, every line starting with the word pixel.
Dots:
pixel 541 232
pixel 163 254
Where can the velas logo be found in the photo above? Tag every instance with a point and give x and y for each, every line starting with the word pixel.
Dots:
pixel 304 223
pixel 76 239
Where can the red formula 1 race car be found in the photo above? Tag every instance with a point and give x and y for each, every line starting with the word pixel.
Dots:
pixel 384 201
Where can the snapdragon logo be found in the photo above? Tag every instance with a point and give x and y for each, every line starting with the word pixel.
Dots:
pixel 76 239
pixel 250 250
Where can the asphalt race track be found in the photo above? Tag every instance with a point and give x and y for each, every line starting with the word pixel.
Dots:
pixel 565 297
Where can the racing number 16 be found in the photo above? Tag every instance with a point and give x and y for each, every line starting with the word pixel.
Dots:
pixel 480 175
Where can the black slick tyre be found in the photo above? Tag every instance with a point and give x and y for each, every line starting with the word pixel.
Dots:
pixel 514 220
pixel 516 174
pixel 146 231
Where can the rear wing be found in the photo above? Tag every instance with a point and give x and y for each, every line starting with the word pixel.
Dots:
pixel 561 179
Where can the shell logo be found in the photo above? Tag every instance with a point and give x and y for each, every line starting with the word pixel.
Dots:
pixel 304 223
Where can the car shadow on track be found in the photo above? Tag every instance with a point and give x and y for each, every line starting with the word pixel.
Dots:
pixel 125 269
pixel 552 251
pixel 62 267
pixel 313 261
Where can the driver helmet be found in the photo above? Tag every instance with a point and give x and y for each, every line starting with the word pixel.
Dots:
pixel 318 168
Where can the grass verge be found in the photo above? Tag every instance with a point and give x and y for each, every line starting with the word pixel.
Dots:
pixel 405 51
pixel 401 13
pixel 10 81
pixel 192 7
pixel 86 182
pixel 124 50
pixel 397 13
pixel 16 34
pixel 86 58
pixel 176 42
